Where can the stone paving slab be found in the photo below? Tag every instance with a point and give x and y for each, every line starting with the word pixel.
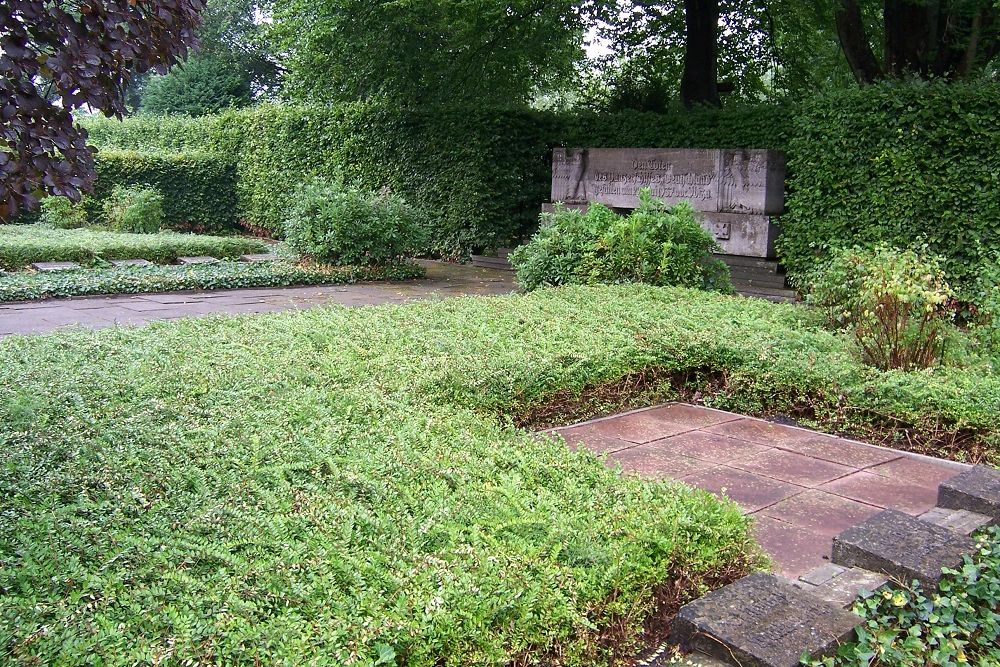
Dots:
pixel 442 280
pixel 802 487
pixel 55 266
pixel 762 621
pixel 902 547
pixel 976 490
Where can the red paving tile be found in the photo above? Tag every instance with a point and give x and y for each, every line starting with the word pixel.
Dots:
pixel 794 551
pixel 886 492
pixel 838 450
pixel 792 467
pixel 640 428
pixel 692 415
pixel 712 447
pixel 752 492
pixel 761 432
pixel 650 461
pixel 820 512
pixel 587 437
pixel 915 471
pixel 803 487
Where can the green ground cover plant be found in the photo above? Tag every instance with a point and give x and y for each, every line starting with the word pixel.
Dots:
pixel 655 244
pixel 25 286
pixel 349 486
pixel 958 624
pixel 22 245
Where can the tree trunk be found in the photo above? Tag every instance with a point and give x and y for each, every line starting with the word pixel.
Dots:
pixel 699 84
pixel 855 44
pixel 908 40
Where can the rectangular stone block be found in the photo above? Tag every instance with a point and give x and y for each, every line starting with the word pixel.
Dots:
pixel 130 262
pixel 975 490
pixel 55 266
pixel 762 621
pixel 260 257
pixel 901 546
pixel 200 259
pixel 716 181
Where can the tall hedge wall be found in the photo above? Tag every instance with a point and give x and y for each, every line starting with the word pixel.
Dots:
pixel 198 187
pixel 482 174
pixel 904 164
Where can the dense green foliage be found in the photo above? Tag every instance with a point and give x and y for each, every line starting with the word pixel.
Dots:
pixel 426 51
pixel 198 187
pixel 62 213
pixel 655 244
pixel 338 224
pixel 899 164
pixel 328 486
pixel 200 86
pixel 896 303
pixel 959 624
pixel 480 175
pixel 135 209
pixel 21 245
pixel 223 275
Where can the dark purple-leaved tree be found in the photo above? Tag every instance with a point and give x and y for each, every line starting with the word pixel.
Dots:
pixel 60 55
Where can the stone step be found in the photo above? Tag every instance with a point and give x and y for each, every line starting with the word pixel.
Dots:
pixel 756 263
pixel 774 294
pixel 130 262
pixel 902 547
pixel 960 521
pixel 975 490
pixel 258 258
pixel 491 262
pixel 762 621
pixel 841 585
pixel 199 259
pixel 750 277
pixel 55 266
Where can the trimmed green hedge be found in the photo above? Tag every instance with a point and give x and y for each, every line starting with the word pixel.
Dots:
pixel 198 187
pixel 21 245
pixel 480 174
pixel 901 164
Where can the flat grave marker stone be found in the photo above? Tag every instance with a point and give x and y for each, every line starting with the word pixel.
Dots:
pixel 130 262
pixel 976 490
pixel 55 266
pixel 200 259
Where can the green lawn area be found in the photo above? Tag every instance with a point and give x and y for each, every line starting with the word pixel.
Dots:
pixel 348 485
pixel 23 245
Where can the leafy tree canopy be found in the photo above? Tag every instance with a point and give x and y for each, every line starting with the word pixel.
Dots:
pixel 427 51
pixel 203 85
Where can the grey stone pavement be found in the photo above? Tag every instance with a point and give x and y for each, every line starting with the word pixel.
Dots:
pixel 442 280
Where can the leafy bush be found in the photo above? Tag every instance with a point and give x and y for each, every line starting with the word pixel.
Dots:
pixel 899 164
pixel 896 303
pixel 135 210
pixel 654 244
pixel 340 224
pixel 224 275
pixel 22 245
pixel 956 625
pixel 198 188
pixel 62 213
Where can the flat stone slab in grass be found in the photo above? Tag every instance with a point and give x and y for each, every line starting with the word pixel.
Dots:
pixel 202 259
pixel 55 266
pixel 902 547
pixel 762 621
pixel 976 490
pixel 260 257
pixel 130 262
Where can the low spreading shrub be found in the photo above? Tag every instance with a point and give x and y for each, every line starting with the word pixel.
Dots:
pixel 340 224
pixel 896 303
pixel 224 275
pixel 62 213
pixel 984 318
pixel 654 244
pixel 135 209
pixel 959 624
pixel 22 245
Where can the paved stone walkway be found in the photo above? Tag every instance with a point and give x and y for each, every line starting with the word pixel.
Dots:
pixel 802 487
pixel 442 280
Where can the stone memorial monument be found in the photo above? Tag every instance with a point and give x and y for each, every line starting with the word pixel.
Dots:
pixel 735 191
